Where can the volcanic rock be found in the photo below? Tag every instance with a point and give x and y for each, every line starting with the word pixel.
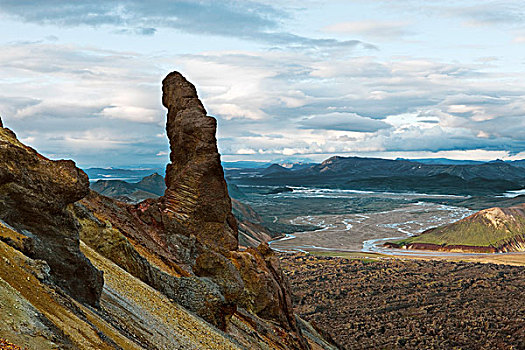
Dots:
pixel 34 195
pixel 170 264
pixel 184 244
pixel 197 195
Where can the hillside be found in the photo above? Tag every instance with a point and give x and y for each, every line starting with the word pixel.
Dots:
pixel 440 183
pixel 151 186
pixel 79 270
pixel 489 231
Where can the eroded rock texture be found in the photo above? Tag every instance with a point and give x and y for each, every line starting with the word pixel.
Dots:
pixel 34 195
pixel 197 195
pixel 185 243
pixel 158 255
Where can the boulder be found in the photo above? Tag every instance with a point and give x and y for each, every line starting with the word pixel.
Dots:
pixel 34 195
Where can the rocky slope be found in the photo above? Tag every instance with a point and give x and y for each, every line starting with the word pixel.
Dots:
pixel 252 230
pixel 160 258
pixel 493 230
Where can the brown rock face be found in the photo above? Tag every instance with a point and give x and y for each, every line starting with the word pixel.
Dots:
pixel 185 243
pixel 34 194
pixel 196 195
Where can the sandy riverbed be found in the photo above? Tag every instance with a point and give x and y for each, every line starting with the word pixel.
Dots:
pixel 366 232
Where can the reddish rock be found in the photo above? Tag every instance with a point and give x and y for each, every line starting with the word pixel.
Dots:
pixel 185 243
pixel 196 196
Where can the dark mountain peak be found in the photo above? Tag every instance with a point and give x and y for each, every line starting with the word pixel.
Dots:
pixel 152 178
pixel 330 160
pixel 275 168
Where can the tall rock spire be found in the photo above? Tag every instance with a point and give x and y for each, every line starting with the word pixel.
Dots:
pixel 196 196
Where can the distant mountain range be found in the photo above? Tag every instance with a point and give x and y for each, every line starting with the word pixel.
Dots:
pixel 392 175
pixel 151 186
pixel 289 164
pixel 519 163
pixel 442 161
pixel 136 174
pixel 130 175
pixel 441 175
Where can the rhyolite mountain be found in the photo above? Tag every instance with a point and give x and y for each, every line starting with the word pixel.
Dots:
pixel 79 270
pixel 493 230
pixel 396 175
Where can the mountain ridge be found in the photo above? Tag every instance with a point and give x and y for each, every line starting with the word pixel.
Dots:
pixel 345 172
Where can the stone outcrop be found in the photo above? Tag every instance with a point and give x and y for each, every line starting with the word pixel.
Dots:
pixel 34 195
pixel 160 257
pixel 196 196
pixel 185 243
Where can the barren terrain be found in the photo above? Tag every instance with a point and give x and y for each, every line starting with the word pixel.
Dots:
pixel 367 231
pixel 413 304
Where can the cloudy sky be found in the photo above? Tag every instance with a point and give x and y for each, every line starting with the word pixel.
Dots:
pixel 285 79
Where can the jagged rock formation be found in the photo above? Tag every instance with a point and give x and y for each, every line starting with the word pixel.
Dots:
pixel 493 230
pixel 185 243
pixel 160 258
pixel 132 315
pixel 34 195
pixel 197 195
pixel 251 229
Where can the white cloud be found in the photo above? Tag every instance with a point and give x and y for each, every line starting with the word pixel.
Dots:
pixel 385 30
pixel 342 122
pixel 519 39
pixel 283 100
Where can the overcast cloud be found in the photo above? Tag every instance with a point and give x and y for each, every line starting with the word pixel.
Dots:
pixel 82 79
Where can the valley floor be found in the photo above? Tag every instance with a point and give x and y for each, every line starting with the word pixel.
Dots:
pixel 367 231
pixel 410 304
